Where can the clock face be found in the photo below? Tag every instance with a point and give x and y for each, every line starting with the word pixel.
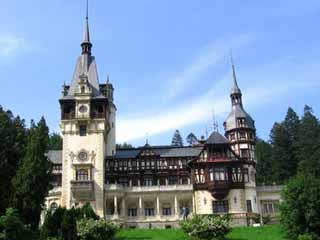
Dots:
pixel 83 156
pixel 83 109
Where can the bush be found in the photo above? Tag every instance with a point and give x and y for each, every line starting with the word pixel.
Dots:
pixel 300 211
pixel 305 237
pixel 90 229
pixel 206 227
pixel 12 228
pixel 62 223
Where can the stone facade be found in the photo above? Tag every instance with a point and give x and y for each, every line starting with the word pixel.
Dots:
pixel 151 186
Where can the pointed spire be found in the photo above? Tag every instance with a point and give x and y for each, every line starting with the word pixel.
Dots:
pixel 235 88
pixel 86 44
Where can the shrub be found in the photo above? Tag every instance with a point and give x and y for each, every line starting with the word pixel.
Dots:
pixel 12 228
pixel 300 211
pixel 305 237
pixel 90 229
pixel 206 227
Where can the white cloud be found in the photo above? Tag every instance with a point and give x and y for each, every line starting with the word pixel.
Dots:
pixel 10 45
pixel 209 57
pixel 274 83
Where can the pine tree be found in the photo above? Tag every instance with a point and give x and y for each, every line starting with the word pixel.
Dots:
pixel 32 181
pixel 12 148
pixel 291 123
pixel 309 144
pixel 264 162
pixel 55 142
pixel 177 139
pixel 280 141
pixel 192 139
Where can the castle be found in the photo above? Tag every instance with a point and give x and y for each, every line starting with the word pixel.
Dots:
pixel 151 185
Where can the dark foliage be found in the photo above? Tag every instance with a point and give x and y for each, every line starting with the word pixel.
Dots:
pixel 177 139
pixel 300 212
pixel 55 142
pixel 192 139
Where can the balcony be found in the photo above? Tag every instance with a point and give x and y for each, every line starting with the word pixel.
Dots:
pixel 82 190
pixel 161 188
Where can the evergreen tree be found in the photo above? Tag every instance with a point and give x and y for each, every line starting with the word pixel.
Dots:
pixel 34 175
pixel 264 162
pixel 309 144
pixel 12 149
pixel 55 142
pixel 291 123
pixel 192 139
pixel 280 141
pixel 124 145
pixel 177 139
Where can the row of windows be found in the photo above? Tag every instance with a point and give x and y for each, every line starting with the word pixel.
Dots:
pixel 148 181
pixel 222 174
pixel 124 165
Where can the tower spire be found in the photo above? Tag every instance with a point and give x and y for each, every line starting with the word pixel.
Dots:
pixel 235 88
pixel 86 44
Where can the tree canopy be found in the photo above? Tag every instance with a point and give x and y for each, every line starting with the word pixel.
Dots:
pixel 177 139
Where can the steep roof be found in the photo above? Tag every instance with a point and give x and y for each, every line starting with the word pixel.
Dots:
pixel 238 112
pixel 217 138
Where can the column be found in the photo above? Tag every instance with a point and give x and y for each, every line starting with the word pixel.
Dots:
pixel 123 207
pixel 193 205
pixel 176 206
pixel 115 199
pixel 158 207
pixel 140 207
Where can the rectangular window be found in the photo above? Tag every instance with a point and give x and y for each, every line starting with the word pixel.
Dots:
pixel 173 180
pixel 132 212
pixel 242 135
pixel 184 180
pixel 124 182
pixel 83 130
pixel 249 206
pixel 163 181
pixel 149 212
pixel 134 182
pixel 147 182
pixel 166 211
pixel 220 206
pixel 220 174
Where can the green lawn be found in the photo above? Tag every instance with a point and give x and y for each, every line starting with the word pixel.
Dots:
pixel 272 232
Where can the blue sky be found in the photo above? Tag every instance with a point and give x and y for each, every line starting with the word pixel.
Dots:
pixel 168 60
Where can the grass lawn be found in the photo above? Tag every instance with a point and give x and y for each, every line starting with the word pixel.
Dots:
pixel 272 232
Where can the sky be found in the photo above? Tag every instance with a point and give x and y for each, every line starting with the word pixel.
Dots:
pixel 168 60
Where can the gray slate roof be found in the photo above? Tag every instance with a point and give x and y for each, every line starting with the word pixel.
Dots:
pixel 55 156
pixel 238 112
pixel 162 151
pixel 217 138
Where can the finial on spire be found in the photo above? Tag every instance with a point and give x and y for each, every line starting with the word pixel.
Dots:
pixel 235 88
pixel 215 123
pixel 86 44
pixel 108 78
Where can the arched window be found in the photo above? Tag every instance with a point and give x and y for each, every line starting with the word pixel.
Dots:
pixel 53 206
pixel 82 175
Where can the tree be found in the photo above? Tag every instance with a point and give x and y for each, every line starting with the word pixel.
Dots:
pixel 123 145
pixel 264 162
pixel 309 143
pixel 280 141
pixel 177 139
pixel 292 123
pixel 89 229
pixel 300 212
pixel 55 142
pixel 32 181
pixel 192 139
pixel 11 226
pixel 12 149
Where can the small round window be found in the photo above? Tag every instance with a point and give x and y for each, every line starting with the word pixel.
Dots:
pixel 83 109
pixel 83 156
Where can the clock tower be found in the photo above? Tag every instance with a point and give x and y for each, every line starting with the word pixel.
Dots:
pixel 88 128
